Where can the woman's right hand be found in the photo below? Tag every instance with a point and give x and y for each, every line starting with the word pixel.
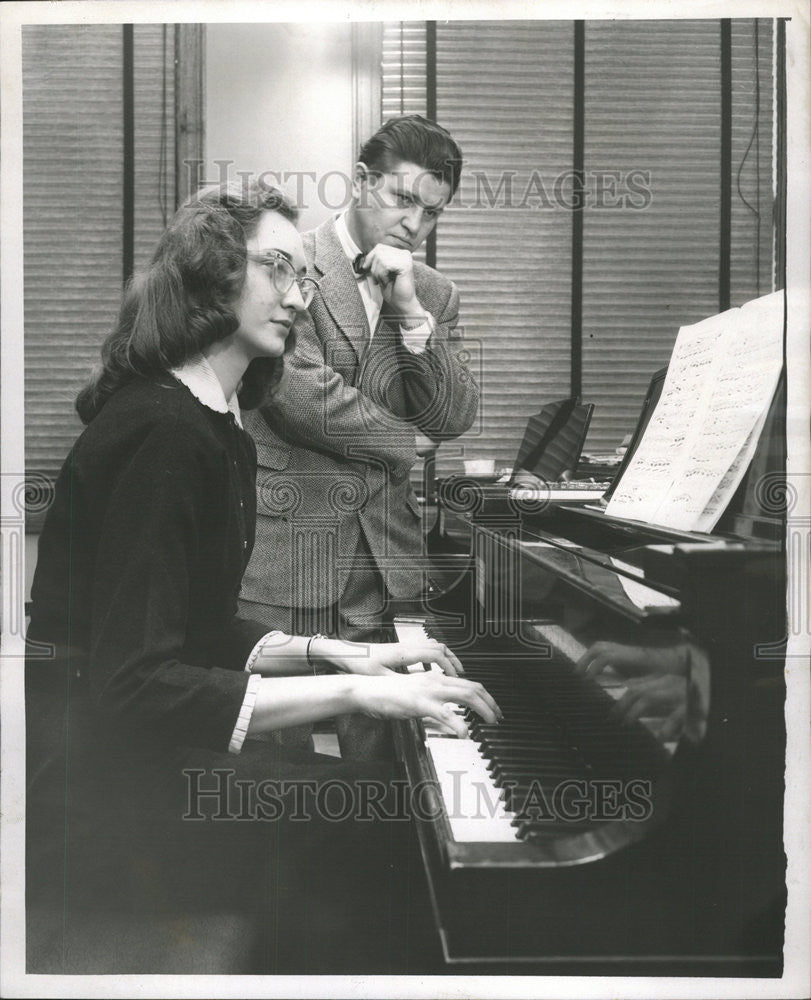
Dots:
pixel 428 695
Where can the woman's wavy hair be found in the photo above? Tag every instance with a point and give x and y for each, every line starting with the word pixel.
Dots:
pixel 183 301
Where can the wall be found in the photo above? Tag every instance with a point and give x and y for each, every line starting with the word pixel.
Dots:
pixel 279 98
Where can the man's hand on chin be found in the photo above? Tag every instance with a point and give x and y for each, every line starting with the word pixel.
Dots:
pixel 393 269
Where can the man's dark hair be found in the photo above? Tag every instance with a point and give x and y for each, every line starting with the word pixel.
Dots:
pixel 414 139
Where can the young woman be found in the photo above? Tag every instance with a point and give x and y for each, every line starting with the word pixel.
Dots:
pixel 142 684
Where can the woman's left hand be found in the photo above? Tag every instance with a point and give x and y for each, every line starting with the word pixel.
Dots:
pixel 376 658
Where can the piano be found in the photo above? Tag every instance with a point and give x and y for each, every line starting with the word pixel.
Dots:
pixel 625 818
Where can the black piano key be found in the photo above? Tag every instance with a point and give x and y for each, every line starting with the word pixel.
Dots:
pixel 506 766
pixel 555 768
pixel 507 731
pixel 491 741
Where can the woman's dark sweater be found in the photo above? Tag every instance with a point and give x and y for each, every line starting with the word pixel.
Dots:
pixel 140 563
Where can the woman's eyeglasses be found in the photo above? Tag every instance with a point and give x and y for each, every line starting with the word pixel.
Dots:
pixel 282 275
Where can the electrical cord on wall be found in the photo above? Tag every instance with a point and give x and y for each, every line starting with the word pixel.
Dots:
pixel 754 139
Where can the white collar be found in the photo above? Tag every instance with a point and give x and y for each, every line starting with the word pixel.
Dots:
pixel 350 248
pixel 200 379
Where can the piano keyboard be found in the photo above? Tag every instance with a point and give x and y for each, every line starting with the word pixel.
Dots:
pixel 475 806
pixel 489 782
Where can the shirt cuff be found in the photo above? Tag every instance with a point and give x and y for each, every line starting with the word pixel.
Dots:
pixel 415 339
pixel 257 649
pixel 245 713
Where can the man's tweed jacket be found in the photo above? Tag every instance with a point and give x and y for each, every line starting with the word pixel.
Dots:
pixel 336 446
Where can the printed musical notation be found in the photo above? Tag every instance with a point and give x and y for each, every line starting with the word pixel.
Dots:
pixel 704 432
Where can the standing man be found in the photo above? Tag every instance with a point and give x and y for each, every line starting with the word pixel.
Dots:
pixel 373 382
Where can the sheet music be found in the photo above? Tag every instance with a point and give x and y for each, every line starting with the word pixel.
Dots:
pixel 768 313
pixel 701 438
pixel 651 471
pixel 729 483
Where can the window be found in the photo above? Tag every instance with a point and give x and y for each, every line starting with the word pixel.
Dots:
pixel 75 128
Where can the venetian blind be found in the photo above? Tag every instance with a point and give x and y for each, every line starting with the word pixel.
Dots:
pixel 403 68
pixel 652 107
pixel 653 111
pixel 73 209
pixel 504 92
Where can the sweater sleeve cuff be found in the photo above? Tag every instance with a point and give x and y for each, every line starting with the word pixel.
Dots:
pixel 257 649
pixel 416 338
pixel 245 713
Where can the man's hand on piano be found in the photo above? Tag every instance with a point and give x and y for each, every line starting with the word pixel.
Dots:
pixel 428 695
pixel 662 697
pixel 665 657
pixel 381 658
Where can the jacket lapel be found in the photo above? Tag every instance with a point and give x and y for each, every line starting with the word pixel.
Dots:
pixel 256 423
pixel 339 287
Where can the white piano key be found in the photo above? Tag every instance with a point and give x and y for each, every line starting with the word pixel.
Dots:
pixel 413 630
pixel 474 805
pixel 410 630
pixel 562 641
